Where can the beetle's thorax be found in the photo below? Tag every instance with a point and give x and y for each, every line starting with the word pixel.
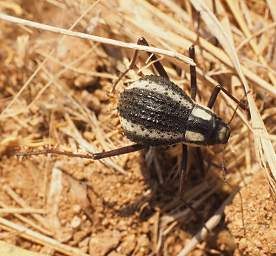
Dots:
pixel 155 111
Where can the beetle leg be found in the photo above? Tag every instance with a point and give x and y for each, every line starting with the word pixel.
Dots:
pixel 193 73
pixel 93 156
pixel 183 168
pixel 185 150
pixel 156 63
pixel 216 89
pixel 213 97
pixel 200 162
pixel 215 93
pixel 118 151
pixel 131 66
pixel 193 96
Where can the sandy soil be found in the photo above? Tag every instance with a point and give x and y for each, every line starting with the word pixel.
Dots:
pixel 259 219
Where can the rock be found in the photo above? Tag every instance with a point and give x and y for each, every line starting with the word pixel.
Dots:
pixel 101 244
pixel 128 245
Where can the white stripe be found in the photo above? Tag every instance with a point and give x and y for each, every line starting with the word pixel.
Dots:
pixel 194 136
pixel 201 113
pixel 151 86
pixel 149 133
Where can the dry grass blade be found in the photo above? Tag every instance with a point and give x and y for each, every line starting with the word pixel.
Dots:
pixel 263 144
pixel 8 249
pixel 39 238
pixel 10 210
pixel 239 17
pixel 22 203
pixel 207 46
pixel 261 31
pixel 272 4
pixel 29 222
pixel 210 224
pixel 96 38
pixel 34 74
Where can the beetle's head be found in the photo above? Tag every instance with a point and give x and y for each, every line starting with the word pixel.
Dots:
pixel 220 133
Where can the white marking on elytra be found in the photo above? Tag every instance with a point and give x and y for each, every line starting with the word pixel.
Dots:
pixel 201 113
pixel 191 136
pixel 140 130
pixel 155 87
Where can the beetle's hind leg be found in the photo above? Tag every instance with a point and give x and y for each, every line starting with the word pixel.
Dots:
pixel 119 151
pixel 156 63
pixel 92 156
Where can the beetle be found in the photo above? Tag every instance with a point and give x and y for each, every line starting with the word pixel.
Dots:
pixel 154 111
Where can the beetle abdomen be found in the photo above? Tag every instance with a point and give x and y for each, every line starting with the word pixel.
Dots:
pixel 154 111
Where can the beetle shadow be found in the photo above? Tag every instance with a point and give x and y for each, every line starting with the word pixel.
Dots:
pixel 164 195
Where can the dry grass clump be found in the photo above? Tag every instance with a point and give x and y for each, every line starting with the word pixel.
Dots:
pixel 54 90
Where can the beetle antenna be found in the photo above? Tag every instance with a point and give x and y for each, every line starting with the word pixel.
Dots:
pixel 241 104
pixel 131 66
pixel 233 115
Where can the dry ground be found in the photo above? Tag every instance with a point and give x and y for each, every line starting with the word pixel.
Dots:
pixel 54 91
